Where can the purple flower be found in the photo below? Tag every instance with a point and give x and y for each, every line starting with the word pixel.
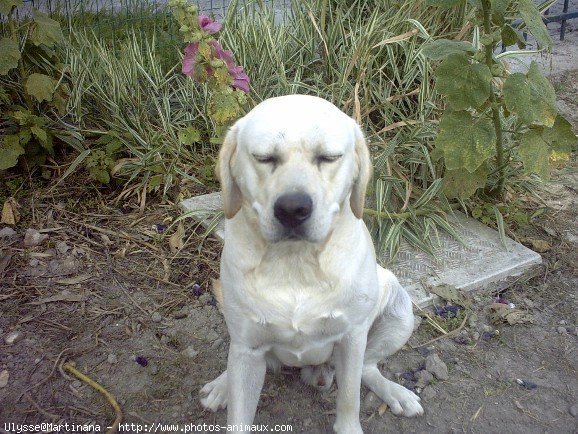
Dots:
pixel 190 59
pixel 240 78
pixel 209 25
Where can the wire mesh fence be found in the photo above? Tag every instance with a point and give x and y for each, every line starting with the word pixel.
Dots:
pixel 112 20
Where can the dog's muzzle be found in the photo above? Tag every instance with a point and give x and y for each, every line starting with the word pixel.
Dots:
pixel 292 210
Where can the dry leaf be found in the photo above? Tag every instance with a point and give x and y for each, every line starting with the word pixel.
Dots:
pixel 64 295
pixel 500 313
pixel 382 409
pixel 10 214
pixel 451 294
pixel 176 242
pixel 74 280
pixel 538 245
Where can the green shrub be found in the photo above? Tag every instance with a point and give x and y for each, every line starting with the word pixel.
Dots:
pixel 34 89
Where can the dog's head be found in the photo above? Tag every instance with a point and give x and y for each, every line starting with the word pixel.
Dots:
pixel 295 161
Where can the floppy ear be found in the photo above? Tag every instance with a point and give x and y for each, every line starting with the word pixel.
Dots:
pixel 232 198
pixel 365 169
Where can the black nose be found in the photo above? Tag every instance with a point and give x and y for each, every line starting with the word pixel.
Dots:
pixel 292 209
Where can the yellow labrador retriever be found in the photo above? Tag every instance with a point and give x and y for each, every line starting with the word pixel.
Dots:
pixel 299 277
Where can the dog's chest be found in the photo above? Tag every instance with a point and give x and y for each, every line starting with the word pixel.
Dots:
pixel 294 303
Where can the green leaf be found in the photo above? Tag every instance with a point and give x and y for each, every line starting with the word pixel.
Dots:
pixel 10 150
pixel 531 97
pixel 9 55
pixel 39 133
pixel 40 86
pixel 533 19
pixel 99 174
pixel 441 48
pixel 463 184
pixel 561 139
pixel 45 30
pixel 465 141
pixel 499 6
pixel 509 36
pixel 466 85
pixel 189 135
pixel 444 4
pixel 535 154
pixel 7 5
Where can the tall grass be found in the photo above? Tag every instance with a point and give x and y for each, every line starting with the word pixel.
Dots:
pixel 364 56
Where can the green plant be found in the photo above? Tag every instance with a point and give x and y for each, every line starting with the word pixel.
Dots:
pixel 34 89
pixel 207 62
pixel 495 121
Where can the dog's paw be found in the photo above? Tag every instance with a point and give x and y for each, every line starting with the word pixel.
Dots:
pixel 214 394
pixel 402 401
pixel 320 376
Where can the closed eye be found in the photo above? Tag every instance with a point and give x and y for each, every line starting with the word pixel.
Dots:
pixel 266 159
pixel 328 158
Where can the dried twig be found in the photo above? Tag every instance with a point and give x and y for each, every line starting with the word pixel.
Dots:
pixel 117 411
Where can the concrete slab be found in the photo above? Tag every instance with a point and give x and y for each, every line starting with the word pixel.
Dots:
pixel 481 262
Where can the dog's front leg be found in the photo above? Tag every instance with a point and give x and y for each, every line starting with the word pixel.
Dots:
pixel 348 356
pixel 246 373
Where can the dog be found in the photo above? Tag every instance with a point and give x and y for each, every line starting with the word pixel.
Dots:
pixel 299 280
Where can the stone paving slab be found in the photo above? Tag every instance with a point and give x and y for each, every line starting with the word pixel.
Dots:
pixel 481 262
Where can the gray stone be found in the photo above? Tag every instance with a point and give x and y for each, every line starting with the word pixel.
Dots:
pixel 423 378
pixel 7 232
pixel 62 247
pixel 112 359
pixel 216 344
pixel 562 330
pixel 483 261
pixel 13 337
pixel 475 336
pixel 428 393
pixel 573 410
pixel 33 238
pixel 4 376
pixel 156 317
pixel 190 352
pixel 436 366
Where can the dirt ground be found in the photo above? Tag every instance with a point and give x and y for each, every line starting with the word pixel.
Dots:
pixel 104 291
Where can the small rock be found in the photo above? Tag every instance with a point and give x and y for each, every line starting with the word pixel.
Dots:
pixel 77 384
pixel 475 336
pixel 14 337
pixel 165 339
pixel 562 330
pixel 573 330
pixel 562 322
pixel 33 238
pixel 156 317
pixel 190 352
pixel 4 376
pixel 423 378
pixel 371 402
pixel 180 314
pixel 486 328
pixel 216 344
pixel 62 247
pixel 416 322
pixel 428 393
pixel 573 410
pixel 63 267
pixel 34 262
pixel 436 366
pixel 463 339
pixel 112 359
pixel 7 232
pixel 307 422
